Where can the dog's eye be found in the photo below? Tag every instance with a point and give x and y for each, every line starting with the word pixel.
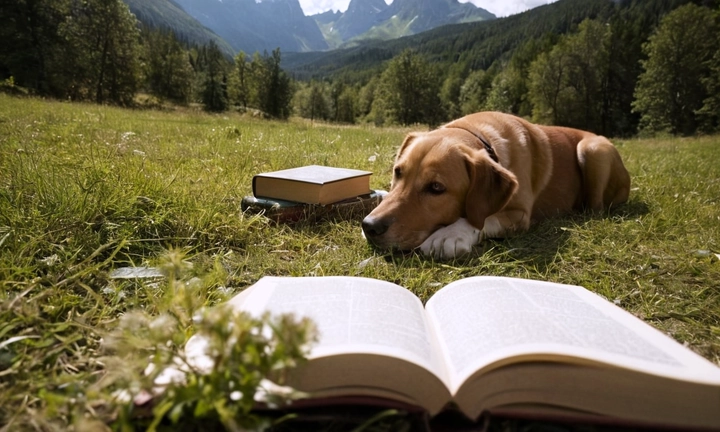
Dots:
pixel 436 188
pixel 397 172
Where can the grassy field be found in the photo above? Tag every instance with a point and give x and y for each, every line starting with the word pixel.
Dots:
pixel 86 189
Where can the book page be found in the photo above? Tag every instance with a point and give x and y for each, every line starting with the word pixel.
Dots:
pixel 353 315
pixel 483 321
pixel 317 174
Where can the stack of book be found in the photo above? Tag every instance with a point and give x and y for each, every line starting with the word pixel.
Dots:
pixel 312 192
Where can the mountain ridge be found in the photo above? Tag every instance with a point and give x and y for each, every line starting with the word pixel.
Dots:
pixel 170 15
pixel 252 26
pixel 374 19
pixel 264 25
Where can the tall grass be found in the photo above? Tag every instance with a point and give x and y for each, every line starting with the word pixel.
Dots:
pixel 85 189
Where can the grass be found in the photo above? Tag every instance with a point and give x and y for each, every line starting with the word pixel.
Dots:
pixel 85 189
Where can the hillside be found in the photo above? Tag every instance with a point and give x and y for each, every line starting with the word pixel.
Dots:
pixel 478 44
pixel 169 15
pixel 251 26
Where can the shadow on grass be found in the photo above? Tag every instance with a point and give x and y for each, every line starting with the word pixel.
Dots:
pixel 539 246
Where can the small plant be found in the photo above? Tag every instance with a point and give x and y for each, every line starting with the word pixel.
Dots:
pixel 9 86
pixel 233 362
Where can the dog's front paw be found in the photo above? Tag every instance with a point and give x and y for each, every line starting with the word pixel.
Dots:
pixel 451 241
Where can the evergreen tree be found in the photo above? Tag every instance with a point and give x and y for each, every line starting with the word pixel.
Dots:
pixel 547 76
pixel 273 86
pixel 343 98
pixel 214 94
pixel 99 61
pixel 279 88
pixel 409 91
pixel 510 87
pixel 587 76
pixel 450 90
pixel 29 35
pixel 670 91
pixel 346 108
pixel 568 83
pixel 474 91
pixel 240 81
pixel 630 28
pixel 168 71
pixel 709 114
pixel 499 95
pixel 366 97
pixel 310 101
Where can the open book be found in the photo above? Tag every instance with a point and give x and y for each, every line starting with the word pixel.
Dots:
pixel 492 344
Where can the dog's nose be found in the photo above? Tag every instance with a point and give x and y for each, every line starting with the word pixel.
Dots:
pixel 375 227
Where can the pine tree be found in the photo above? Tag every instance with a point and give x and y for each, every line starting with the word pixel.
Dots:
pixel 450 90
pixel 214 94
pixel 99 61
pixel 277 91
pixel 409 91
pixel 670 91
pixel 310 101
pixel 346 108
pixel 29 36
pixel 547 77
pixel 709 114
pixel 240 80
pixel 168 71
pixel 567 85
pixel 474 91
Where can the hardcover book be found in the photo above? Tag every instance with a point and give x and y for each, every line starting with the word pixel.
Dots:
pixel 312 184
pixel 283 211
pixel 490 345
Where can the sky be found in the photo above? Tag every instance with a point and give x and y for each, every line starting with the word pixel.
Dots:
pixel 501 8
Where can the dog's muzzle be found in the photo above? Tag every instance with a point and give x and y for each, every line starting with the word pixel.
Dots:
pixel 374 228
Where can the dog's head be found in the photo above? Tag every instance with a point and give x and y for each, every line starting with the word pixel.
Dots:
pixel 438 177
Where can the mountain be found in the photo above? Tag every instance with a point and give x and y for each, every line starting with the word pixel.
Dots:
pixel 251 25
pixel 374 19
pixel 476 45
pixel 263 25
pixel 169 15
pixel 360 16
pixel 422 15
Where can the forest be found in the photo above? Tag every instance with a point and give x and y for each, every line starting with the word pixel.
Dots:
pixel 621 68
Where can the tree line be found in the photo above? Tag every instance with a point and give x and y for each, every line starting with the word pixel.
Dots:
pixel 633 72
pixel 627 73
pixel 96 50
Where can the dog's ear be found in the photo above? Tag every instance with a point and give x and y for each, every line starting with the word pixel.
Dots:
pixel 491 187
pixel 406 143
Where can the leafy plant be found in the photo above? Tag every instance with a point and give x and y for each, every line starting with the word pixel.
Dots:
pixel 238 360
pixel 148 379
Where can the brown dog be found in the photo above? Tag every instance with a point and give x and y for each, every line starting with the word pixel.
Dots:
pixel 489 174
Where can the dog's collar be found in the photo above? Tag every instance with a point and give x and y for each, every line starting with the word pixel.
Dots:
pixel 488 148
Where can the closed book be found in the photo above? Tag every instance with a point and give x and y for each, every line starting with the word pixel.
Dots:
pixel 283 211
pixel 312 184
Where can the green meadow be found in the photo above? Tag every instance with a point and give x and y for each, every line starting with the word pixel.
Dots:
pixel 86 189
